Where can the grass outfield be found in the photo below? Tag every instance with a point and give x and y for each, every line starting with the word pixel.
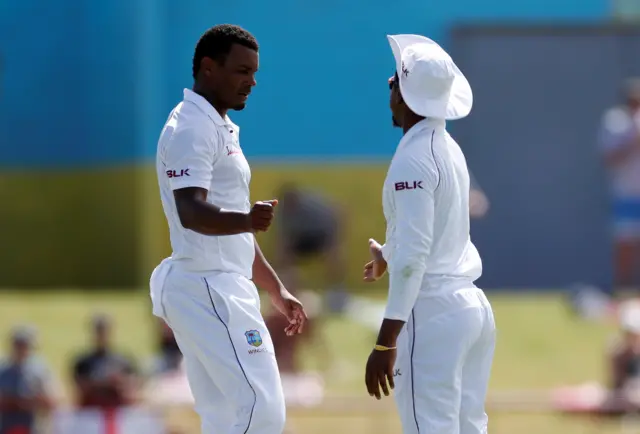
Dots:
pixel 539 346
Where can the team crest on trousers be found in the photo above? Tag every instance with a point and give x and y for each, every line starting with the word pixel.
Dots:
pixel 253 338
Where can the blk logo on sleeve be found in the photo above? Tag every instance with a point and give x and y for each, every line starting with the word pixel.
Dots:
pixel 177 173
pixel 408 185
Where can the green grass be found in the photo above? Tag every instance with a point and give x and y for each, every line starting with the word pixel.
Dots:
pixel 540 346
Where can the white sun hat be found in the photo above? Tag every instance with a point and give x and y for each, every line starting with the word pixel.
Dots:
pixel 430 82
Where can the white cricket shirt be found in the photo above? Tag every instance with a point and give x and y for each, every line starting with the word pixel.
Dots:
pixel 619 129
pixel 426 205
pixel 198 148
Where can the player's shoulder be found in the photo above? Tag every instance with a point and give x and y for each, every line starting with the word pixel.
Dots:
pixel 188 136
pixel 186 118
pixel 418 150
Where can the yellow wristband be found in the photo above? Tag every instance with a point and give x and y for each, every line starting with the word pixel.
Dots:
pixel 383 348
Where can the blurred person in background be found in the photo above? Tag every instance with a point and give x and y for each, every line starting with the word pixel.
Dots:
pixel 478 201
pixel 620 144
pixel 26 386
pixel 624 356
pixel 167 384
pixel 168 358
pixel 104 378
pixel 621 393
pixel 309 227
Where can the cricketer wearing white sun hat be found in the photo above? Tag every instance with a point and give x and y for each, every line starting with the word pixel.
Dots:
pixel 437 337
pixel 430 82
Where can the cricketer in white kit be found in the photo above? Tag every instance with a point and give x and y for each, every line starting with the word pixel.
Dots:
pixel 205 291
pixel 437 339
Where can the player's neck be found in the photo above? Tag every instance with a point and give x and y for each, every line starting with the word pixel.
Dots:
pixel 211 100
pixel 410 120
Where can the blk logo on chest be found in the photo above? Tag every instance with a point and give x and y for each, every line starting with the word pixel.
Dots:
pixel 408 185
pixel 177 173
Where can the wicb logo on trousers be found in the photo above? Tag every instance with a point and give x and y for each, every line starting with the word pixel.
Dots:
pixel 253 338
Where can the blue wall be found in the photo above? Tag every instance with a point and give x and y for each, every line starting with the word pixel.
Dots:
pixel 88 82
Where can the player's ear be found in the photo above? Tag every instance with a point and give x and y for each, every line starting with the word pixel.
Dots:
pixel 208 66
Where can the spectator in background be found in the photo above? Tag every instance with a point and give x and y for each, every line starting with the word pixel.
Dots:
pixel 168 358
pixel 104 378
pixel 620 143
pixel 26 387
pixel 167 384
pixel 478 202
pixel 308 227
pixel 625 352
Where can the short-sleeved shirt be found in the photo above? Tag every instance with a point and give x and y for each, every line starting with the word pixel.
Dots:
pixel 26 380
pixel 200 148
pixel 98 366
pixel 619 128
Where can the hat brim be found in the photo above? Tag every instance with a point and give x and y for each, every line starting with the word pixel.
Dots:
pixel 460 99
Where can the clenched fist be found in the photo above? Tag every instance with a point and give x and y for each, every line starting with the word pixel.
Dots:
pixel 261 215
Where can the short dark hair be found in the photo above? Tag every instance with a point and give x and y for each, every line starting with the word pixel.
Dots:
pixel 216 43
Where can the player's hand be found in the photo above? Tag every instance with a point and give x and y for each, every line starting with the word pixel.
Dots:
pixel 478 204
pixel 261 214
pixel 375 269
pixel 291 308
pixel 379 372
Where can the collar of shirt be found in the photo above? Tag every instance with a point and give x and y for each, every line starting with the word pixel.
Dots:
pixel 208 109
pixel 420 126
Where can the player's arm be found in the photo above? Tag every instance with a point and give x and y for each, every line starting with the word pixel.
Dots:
pixel 414 183
pixel 205 218
pixel 188 159
pixel 264 275
pixel 266 278
pixel 283 252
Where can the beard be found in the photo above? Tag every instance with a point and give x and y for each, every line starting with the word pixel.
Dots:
pixel 395 122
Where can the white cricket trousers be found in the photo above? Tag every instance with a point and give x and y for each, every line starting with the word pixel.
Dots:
pixel 444 357
pixel 228 352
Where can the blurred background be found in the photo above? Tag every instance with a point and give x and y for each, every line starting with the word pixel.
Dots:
pixel 553 143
